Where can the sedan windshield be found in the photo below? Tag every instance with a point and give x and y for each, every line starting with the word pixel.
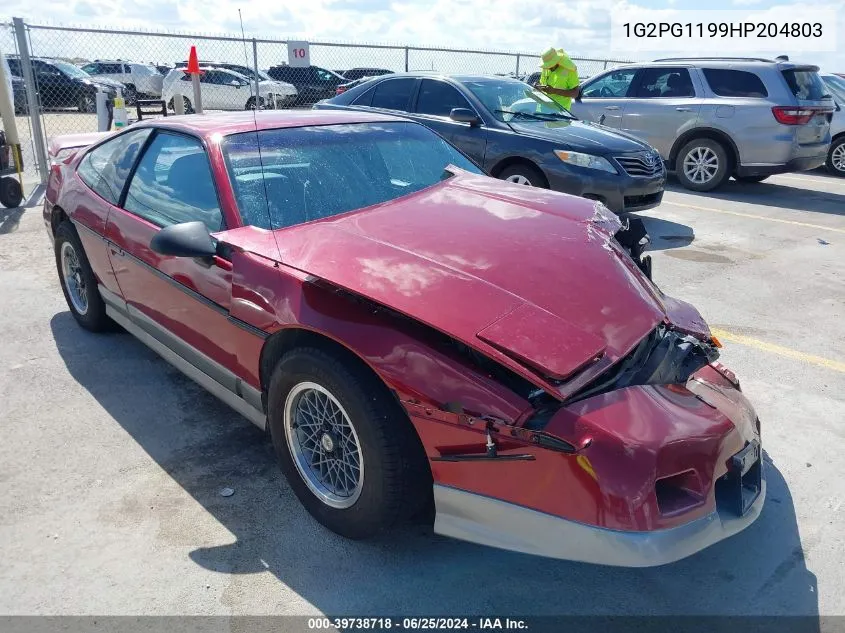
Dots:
pixel 290 176
pixel 70 70
pixel 509 100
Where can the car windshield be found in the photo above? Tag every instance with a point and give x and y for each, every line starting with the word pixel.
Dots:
pixel 242 71
pixel 509 100
pixel 70 70
pixel 309 173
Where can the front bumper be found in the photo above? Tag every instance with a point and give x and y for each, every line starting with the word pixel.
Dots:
pixel 487 521
pixel 620 193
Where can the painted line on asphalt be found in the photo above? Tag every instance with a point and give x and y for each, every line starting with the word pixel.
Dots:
pixel 827 363
pixel 754 216
pixel 821 180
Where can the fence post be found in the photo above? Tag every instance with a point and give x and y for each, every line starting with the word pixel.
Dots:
pixel 517 65
pixel 32 99
pixel 255 68
pixel 406 59
pixel 605 65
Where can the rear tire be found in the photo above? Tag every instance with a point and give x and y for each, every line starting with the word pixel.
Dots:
pixel 836 157
pixel 78 282
pixel 11 193
pixel 189 109
pixel 750 179
pixel 521 174
pixel 702 165
pixel 365 426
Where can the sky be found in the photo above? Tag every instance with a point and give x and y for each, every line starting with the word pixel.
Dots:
pixel 582 27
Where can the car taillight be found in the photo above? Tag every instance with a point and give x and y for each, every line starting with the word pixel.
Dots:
pixel 789 115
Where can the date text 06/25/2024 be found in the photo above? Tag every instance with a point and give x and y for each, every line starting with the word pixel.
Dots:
pixel 418 624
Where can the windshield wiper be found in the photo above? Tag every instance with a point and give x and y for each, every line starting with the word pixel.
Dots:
pixel 538 116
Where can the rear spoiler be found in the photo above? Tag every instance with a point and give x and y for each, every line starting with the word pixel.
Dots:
pixel 58 144
pixel 799 67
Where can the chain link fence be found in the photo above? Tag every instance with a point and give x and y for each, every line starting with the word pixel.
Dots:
pixel 69 65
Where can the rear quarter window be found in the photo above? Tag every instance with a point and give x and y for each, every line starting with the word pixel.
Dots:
pixel 735 83
pixel 806 85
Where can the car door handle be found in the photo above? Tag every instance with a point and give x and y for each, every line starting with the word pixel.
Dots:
pixel 684 109
pixel 611 107
pixel 117 251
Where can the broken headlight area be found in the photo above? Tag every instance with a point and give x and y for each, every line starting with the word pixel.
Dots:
pixel 664 357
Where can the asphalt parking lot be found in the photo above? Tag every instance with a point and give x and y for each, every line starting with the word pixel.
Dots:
pixel 111 463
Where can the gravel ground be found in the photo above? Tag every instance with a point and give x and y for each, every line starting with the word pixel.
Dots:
pixel 111 462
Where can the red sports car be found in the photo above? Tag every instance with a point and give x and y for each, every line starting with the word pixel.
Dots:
pixel 410 331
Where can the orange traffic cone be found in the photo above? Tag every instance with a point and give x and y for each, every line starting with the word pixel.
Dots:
pixel 193 63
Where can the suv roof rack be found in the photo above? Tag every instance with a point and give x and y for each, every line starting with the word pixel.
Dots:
pixel 731 59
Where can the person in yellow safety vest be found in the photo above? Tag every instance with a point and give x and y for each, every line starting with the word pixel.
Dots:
pixel 559 77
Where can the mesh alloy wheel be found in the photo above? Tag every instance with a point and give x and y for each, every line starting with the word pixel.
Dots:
pixel 324 445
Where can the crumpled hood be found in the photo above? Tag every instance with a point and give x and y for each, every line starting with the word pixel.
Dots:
pixel 581 136
pixel 525 275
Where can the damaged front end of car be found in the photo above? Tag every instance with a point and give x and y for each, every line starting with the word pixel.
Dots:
pixel 654 459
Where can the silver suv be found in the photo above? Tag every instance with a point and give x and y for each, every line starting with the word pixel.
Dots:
pixel 713 118
pixel 141 80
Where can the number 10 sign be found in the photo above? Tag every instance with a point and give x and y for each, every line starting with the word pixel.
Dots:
pixel 299 55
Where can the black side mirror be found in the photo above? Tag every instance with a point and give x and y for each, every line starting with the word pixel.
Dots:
pixel 188 239
pixel 465 115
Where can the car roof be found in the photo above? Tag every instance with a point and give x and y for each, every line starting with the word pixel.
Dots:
pixel 206 67
pixel 118 61
pixel 225 123
pixel 717 62
pixel 458 77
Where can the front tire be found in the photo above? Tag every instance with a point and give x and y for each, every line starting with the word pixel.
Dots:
pixel 836 157
pixel 87 103
pixel 345 445
pixel 524 175
pixel 702 165
pixel 78 282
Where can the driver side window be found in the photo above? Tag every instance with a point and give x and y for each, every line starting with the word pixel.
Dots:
pixel 173 184
pixel 614 85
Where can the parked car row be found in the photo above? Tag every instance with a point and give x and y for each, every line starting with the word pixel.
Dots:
pixel 224 85
pixel 60 84
pixel 708 118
